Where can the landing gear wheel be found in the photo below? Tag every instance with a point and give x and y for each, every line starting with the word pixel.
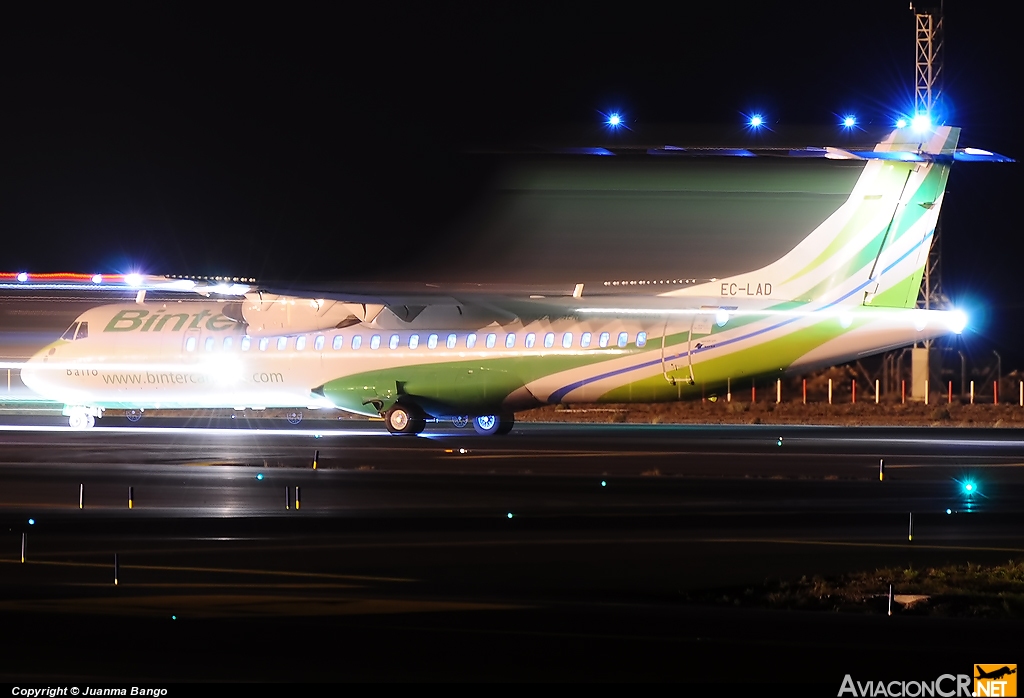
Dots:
pixel 294 417
pixel 399 420
pixel 489 424
pixel 90 421
pixel 460 422
pixel 76 421
pixel 133 415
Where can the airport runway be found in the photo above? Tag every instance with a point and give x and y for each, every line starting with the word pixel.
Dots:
pixel 402 561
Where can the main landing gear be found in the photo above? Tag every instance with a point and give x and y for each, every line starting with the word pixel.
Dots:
pixel 401 420
pixel 488 425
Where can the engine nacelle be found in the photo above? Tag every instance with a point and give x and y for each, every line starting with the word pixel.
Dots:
pixel 272 314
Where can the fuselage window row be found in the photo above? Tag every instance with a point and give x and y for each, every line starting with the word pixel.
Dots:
pixel 413 342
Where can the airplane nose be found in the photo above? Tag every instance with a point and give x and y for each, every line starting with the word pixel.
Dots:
pixel 32 370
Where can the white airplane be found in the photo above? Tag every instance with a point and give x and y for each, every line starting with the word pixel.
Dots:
pixel 848 289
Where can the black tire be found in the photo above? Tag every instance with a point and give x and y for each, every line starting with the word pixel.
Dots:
pixel 491 424
pixel 401 420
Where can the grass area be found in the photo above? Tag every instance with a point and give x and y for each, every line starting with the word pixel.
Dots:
pixel 970 590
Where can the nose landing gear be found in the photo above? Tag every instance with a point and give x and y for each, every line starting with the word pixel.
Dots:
pixel 81 417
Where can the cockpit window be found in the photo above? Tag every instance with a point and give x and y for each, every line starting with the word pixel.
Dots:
pixel 83 331
pixel 69 333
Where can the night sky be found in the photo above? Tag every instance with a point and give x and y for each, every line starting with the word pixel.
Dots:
pixel 329 144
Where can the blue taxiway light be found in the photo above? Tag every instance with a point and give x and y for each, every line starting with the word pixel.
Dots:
pixel 756 121
pixel 603 483
pixel 31 522
pixel 509 515
pixel 849 121
pixel 259 476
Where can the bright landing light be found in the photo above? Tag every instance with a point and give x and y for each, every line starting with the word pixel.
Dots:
pixel 756 121
pixel 614 120
pixel 849 121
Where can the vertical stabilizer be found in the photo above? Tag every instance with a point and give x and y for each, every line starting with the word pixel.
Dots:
pixel 873 248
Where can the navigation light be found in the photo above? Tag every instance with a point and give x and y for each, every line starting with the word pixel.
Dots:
pixel 957 321
pixel 901 122
pixel 756 121
pixel 921 122
pixel 614 120
pixel 133 279
pixel 849 121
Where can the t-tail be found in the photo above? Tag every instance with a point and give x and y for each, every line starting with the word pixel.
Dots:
pixel 873 249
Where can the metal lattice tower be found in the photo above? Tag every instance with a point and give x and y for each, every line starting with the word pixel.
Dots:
pixel 928 59
pixel 928 93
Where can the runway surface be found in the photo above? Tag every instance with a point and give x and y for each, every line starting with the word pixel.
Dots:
pixel 559 552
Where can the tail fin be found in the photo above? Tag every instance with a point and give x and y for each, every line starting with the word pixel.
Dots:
pixel 873 249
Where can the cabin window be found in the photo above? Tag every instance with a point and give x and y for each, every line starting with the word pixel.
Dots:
pixel 393 342
pixel 282 343
pixel 510 340
pixel 300 343
pixel 531 339
pixel 190 344
pixel 432 341
pixel 69 333
pixel 602 341
pixel 210 341
pixel 452 339
pixel 338 341
pixel 264 343
pixel 318 343
pixel 585 340
pixel 375 341
pixel 549 340
pixel 641 339
pixel 227 343
pixel 567 340
pixel 470 341
pixel 414 341
pixel 83 331
pixel 246 342
pixel 357 341
pixel 623 339
pixel 490 340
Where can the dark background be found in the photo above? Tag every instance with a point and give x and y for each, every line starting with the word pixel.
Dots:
pixel 325 143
